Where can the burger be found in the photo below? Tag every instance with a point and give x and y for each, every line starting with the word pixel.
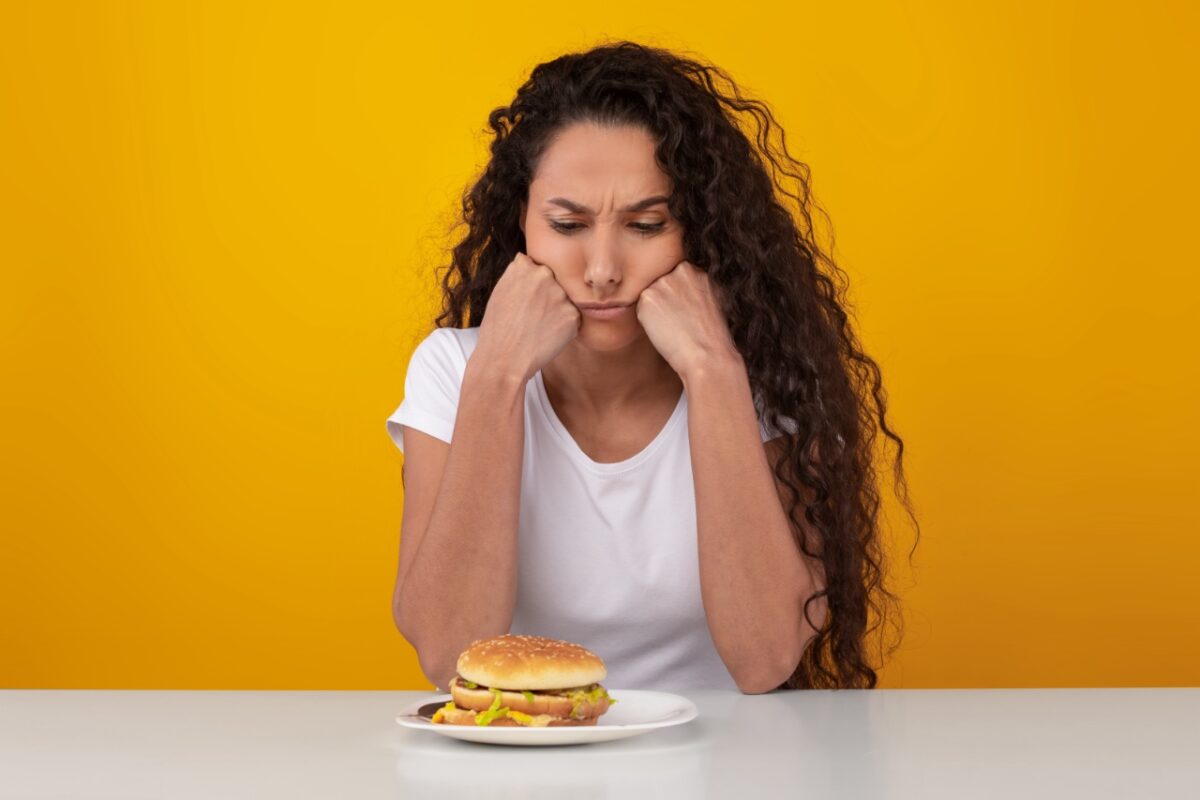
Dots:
pixel 530 681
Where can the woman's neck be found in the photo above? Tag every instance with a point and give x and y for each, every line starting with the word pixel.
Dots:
pixel 600 382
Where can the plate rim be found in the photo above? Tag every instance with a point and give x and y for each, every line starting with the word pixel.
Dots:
pixel 408 718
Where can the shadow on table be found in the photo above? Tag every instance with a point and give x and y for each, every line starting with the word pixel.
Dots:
pixel 807 744
pixel 449 768
pixel 661 763
pixel 794 744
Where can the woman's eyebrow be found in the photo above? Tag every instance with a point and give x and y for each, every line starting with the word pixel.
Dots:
pixel 576 208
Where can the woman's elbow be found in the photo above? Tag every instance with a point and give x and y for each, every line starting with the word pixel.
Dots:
pixel 769 675
pixel 760 683
pixel 434 664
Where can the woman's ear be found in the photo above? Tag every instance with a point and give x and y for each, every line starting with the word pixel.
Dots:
pixel 521 218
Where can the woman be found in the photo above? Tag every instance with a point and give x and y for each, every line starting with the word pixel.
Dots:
pixel 643 423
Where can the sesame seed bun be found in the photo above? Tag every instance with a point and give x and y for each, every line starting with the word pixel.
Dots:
pixel 514 661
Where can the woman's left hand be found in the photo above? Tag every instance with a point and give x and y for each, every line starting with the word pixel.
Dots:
pixel 682 317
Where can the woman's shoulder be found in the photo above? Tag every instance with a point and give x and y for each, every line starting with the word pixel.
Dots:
pixel 450 346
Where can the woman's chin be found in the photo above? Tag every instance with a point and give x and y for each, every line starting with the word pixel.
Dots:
pixel 604 335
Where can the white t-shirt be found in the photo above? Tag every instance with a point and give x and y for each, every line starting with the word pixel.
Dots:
pixel 607 553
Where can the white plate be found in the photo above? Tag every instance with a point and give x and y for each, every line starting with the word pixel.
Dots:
pixel 635 712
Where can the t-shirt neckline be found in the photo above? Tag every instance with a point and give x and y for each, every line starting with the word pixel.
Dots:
pixel 576 452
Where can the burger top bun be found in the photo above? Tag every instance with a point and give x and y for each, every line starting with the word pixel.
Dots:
pixel 529 662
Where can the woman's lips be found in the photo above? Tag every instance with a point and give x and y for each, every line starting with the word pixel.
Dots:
pixel 605 313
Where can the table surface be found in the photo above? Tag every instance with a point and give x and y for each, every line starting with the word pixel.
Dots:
pixel 894 743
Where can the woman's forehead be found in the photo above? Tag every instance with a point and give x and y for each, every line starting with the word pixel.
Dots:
pixel 596 154
pixel 599 174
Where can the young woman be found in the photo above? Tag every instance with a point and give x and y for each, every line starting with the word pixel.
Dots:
pixel 643 422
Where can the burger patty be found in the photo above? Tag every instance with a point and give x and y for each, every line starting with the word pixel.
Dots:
pixel 579 704
pixel 452 715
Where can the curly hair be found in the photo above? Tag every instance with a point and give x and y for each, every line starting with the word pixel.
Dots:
pixel 782 295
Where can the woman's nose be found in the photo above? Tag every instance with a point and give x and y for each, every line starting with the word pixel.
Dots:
pixel 603 263
pixel 600 276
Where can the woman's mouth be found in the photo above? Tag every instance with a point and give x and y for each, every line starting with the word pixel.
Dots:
pixel 605 313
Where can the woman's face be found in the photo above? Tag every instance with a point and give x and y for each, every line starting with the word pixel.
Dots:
pixel 586 222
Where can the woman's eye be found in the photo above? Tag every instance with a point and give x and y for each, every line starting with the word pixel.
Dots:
pixel 644 228
pixel 647 228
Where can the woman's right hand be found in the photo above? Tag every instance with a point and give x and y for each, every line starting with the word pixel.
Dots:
pixel 529 317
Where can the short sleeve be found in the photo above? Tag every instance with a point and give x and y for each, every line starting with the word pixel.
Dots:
pixel 431 388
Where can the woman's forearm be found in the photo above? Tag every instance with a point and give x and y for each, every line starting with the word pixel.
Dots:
pixel 753 578
pixel 462 583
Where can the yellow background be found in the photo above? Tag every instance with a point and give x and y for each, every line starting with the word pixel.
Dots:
pixel 217 229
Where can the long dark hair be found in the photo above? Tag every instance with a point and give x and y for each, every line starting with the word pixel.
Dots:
pixel 783 298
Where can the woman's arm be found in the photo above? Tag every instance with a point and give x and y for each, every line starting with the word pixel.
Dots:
pixel 753 578
pixel 457 579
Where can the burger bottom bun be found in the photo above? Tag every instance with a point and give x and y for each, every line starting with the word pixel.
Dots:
pixel 462 716
pixel 556 705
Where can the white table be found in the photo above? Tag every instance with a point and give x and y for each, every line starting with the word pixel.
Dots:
pixel 1059 743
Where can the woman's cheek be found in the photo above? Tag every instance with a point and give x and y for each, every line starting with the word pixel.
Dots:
pixel 556 255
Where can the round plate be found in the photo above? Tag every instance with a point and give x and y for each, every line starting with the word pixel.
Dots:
pixel 635 712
